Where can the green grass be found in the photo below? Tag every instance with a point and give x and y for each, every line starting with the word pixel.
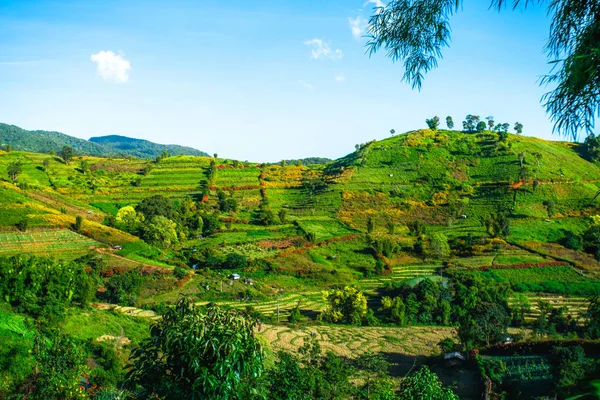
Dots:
pixel 91 324
pixel 553 279
pixel 64 243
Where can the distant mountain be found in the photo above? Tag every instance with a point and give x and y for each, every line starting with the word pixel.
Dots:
pixel 103 146
pixel 143 148
pixel 47 141
pixel 309 161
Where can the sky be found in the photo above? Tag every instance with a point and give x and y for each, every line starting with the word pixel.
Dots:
pixel 256 80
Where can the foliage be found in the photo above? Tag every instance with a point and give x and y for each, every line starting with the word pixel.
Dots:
pixel 311 375
pixel 129 217
pixel 424 384
pixel 42 287
pixel 155 206
pixel 61 364
pixel 66 154
pixel 124 288
pixel 433 123
pixel 348 306
pixel 591 147
pixel 14 170
pixel 160 231
pixel 141 148
pixel 195 353
pixel 416 38
pixel 569 367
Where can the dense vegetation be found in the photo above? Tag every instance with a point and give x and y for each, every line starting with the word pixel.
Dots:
pixel 312 281
pixel 142 148
pixel 104 146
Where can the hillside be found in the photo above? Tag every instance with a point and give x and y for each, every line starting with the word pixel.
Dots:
pixel 400 219
pixel 47 141
pixel 143 148
pixel 103 146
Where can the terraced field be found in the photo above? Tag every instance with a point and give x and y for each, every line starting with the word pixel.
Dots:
pixel 352 341
pixel 61 243
pixel 576 306
pixel 400 273
pixel 309 304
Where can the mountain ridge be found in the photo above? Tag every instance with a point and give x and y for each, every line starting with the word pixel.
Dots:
pixel 42 141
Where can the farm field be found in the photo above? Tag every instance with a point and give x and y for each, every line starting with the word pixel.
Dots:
pixel 54 243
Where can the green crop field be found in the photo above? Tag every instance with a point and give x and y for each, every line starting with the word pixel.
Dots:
pixel 54 243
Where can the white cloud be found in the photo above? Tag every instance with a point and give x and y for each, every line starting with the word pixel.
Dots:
pixel 358 26
pixel 306 85
pixel 112 67
pixel 377 3
pixel 340 78
pixel 320 49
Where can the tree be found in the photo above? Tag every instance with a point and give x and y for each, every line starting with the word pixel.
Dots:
pixel 124 288
pixel 46 164
pixel 521 157
pixel 392 132
pixel 282 214
pixel 66 154
pixel 348 306
pixel 569 366
pixel 14 170
pixel 8 148
pixel 195 353
pixel 160 231
pixel 424 384
pixel 550 207
pixel 433 123
pixel 415 32
pixel 236 261
pixel 591 147
pixel 470 123
pixel 480 126
pixel 518 128
pixel 370 225
pixel 490 122
pixel 449 122
pixel 153 206
pixel 78 223
pixel 211 223
pixel 592 319
pixel 84 166
pixel 438 245
pixel 61 364
pixel 129 217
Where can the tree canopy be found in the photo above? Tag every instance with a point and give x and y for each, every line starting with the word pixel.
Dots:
pixel 194 353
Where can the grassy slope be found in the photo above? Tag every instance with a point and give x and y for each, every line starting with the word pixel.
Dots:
pixel 409 177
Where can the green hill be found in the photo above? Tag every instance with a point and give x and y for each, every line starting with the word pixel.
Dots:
pixel 46 141
pixel 415 212
pixel 103 146
pixel 143 148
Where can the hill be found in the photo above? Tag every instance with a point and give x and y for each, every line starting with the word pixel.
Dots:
pixel 400 219
pixel 143 148
pixel 40 141
pixel 47 141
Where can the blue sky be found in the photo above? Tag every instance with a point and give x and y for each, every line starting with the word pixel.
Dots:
pixel 248 80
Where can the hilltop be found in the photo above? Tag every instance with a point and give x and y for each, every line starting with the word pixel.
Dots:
pixel 143 148
pixel 40 141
